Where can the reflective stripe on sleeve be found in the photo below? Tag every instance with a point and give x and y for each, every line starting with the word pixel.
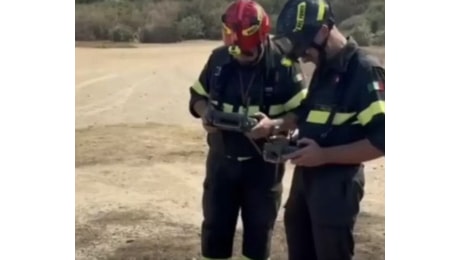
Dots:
pixel 365 116
pixel 320 117
pixel 198 87
pixel 296 100
pixel 276 110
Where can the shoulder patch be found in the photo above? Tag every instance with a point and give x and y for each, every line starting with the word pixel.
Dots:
pixel 378 79
pixel 376 85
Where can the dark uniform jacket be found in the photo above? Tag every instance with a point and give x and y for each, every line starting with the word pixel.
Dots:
pixel 272 88
pixel 346 101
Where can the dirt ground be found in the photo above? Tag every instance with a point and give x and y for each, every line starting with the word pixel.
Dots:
pixel 140 159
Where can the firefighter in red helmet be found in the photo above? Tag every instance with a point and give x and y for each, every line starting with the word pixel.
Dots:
pixel 246 28
pixel 244 76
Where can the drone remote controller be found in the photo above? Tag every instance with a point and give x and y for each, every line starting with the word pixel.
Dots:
pixel 231 121
pixel 275 150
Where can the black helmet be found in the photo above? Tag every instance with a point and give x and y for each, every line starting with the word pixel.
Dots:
pixel 298 23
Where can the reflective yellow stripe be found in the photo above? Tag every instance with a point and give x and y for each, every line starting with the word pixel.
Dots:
pixel 251 110
pixel 227 108
pixel 317 117
pixel 340 118
pixel 287 62
pixel 240 159
pixel 251 30
pixel 276 109
pixel 198 87
pixel 320 117
pixel 377 107
pixel 226 29
pixel 234 50
pixel 301 12
pixel 321 10
pixel 295 100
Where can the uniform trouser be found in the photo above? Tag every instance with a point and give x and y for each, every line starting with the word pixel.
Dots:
pixel 320 214
pixel 231 185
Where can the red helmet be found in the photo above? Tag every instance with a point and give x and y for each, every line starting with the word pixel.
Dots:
pixel 245 25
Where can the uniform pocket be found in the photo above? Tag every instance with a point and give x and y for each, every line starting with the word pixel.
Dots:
pixel 335 198
pixel 215 169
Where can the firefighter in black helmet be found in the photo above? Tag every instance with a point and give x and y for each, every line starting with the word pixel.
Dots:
pixel 342 126
pixel 244 76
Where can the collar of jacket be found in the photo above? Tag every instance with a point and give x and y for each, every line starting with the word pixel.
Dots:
pixel 339 62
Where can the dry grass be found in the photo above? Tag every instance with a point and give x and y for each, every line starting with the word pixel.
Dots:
pixel 147 143
pixel 140 160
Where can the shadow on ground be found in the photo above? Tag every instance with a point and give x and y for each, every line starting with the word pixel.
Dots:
pixel 184 243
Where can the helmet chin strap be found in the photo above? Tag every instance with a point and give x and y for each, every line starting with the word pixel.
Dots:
pixel 321 48
pixel 258 58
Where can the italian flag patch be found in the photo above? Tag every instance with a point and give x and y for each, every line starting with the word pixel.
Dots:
pixel 377 86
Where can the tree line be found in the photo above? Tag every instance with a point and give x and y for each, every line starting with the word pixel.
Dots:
pixel 165 21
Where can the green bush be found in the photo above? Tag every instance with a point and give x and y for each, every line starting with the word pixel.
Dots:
pixel 343 9
pixel 273 19
pixel 158 34
pixel 190 27
pixel 212 21
pixel 128 15
pixel 174 20
pixel 163 14
pixel 91 25
pixel 212 24
pixel 87 1
pixel 362 34
pixel 160 19
pixel 375 14
pixel 352 22
pixel 121 33
pixel 379 38
pixel 360 28
pixel 210 13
